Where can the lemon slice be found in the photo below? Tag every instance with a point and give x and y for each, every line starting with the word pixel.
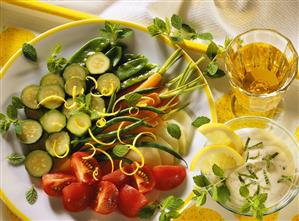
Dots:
pixel 224 156
pixel 221 134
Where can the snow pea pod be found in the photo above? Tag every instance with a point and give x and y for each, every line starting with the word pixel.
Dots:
pixel 114 54
pixel 130 57
pixel 146 73
pixel 94 45
pixel 130 68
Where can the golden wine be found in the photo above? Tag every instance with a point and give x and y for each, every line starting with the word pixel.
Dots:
pixel 260 68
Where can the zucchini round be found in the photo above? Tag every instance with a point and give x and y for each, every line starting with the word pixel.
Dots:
pixel 52 78
pixel 38 163
pixel 53 121
pixel 78 124
pixel 29 96
pixel 60 141
pixel 97 104
pixel 74 82
pixel 108 84
pixel 51 90
pixel 74 70
pixel 97 63
pixel 30 131
pixel 67 111
pixel 40 144
pixel 34 114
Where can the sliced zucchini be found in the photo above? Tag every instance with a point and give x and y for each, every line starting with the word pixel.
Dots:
pixel 74 70
pixel 40 144
pixel 30 131
pixel 97 63
pixel 52 78
pixel 60 141
pixel 97 104
pixel 53 121
pixel 38 163
pixel 78 123
pixel 74 82
pixel 29 96
pixel 67 111
pixel 108 84
pixel 47 91
pixel 34 114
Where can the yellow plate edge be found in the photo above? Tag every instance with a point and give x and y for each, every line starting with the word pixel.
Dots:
pixel 207 90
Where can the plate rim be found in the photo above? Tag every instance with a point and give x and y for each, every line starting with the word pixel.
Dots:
pixel 62 27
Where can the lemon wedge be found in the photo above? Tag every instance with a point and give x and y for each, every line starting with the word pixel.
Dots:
pixel 224 156
pixel 218 133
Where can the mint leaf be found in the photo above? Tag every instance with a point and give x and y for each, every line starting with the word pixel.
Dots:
pixel 223 194
pixel 132 99
pixel 147 211
pixel 211 69
pixel 15 159
pixel 120 150
pixel 174 130
pixel 18 128
pixel 201 199
pixel 55 64
pixel 160 24
pixel 245 208
pixel 172 203
pixel 12 112
pixel 205 36
pixel 201 180
pixel 217 171
pixel 114 32
pixel 214 192
pixel 16 102
pixel 212 50
pixel 29 52
pixel 153 30
pixel 244 191
pixel 227 41
pixel 31 195
pixel 199 121
pixel 176 21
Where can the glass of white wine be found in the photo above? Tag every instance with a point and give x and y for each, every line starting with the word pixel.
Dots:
pixel 261 64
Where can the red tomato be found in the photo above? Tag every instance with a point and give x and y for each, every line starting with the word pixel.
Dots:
pixel 84 168
pixel 144 179
pixel 77 196
pixel 106 166
pixel 131 201
pixel 117 178
pixel 107 198
pixel 53 183
pixel 168 177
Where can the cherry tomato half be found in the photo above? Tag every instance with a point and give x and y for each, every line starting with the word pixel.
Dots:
pixel 144 179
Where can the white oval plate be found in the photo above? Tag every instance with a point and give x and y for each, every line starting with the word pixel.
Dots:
pixel 20 72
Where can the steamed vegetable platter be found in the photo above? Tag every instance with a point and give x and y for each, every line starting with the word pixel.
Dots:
pixel 105 127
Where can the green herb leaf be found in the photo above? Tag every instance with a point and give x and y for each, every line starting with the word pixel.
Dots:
pixel 15 159
pixel 176 21
pixel 12 112
pixel 189 29
pixel 55 64
pixel 120 150
pixel 147 211
pixel 153 30
pixel 124 33
pixel 245 208
pixel 174 130
pixel 214 192
pixel 17 103
pixel 220 73
pixel 262 197
pixel 223 194
pixel 132 99
pixel 160 24
pixel 217 171
pixel 205 36
pixel 211 69
pixel 244 191
pixel 18 128
pixel 114 32
pixel 201 199
pixel 31 195
pixel 199 121
pixel 29 52
pixel 171 203
pixel 212 50
pixel 201 180
pixel 2 116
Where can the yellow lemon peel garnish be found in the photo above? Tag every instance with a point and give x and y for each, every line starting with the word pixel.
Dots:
pixel 52 97
pixel 95 173
pixel 101 122
pixel 138 166
pixel 93 80
pixel 141 134
pixel 143 103
pixel 99 141
pixel 60 156
pixel 131 109
pixel 108 92
pixel 118 132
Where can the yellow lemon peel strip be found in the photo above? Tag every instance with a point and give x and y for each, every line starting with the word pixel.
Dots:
pixel 131 109
pixel 101 122
pixel 118 132
pixel 141 134
pixel 93 80
pixel 143 103
pixel 95 173
pixel 52 97
pixel 99 141
pixel 108 92
pixel 60 156
pixel 138 166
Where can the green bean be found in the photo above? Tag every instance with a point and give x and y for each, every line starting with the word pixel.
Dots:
pixel 94 45
pixel 111 102
pixel 146 90
pixel 130 68
pixel 169 150
pixel 149 108
pixel 138 79
pixel 115 120
pixel 114 54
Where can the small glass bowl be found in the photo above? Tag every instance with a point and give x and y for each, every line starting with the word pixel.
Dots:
pixel 280 132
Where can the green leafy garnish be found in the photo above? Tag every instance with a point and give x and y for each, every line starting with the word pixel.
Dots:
pixel 15 159
pixel 29 52
pixel 199 121
pixel 286 179
pixel 174 130
pixel 31 195
pixel 259 145
pixel 203 186
pixel 120 150
pixel 132 99
pixel 168 209
pixel 114 32
pixel 54 63
pixel 268 159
